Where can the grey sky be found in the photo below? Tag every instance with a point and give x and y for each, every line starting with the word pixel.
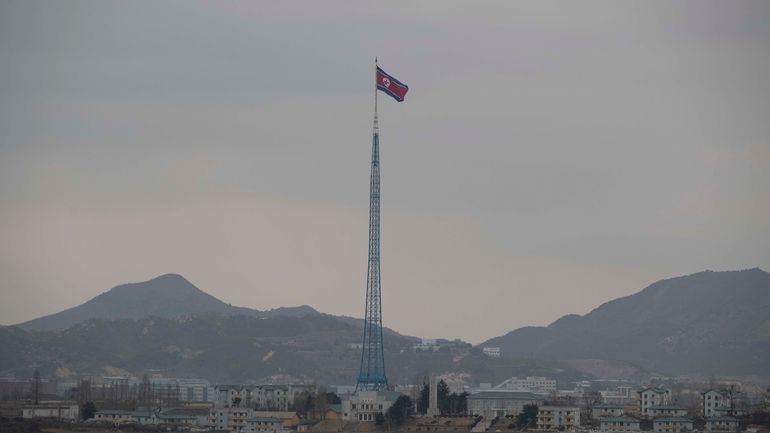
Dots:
pixel 549 157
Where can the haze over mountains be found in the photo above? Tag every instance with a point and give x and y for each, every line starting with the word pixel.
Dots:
pixel 705 323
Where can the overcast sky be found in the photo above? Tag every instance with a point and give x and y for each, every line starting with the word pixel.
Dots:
pixel 549 156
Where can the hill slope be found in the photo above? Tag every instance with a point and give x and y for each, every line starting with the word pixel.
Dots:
pixel 167 296
pixel 709 322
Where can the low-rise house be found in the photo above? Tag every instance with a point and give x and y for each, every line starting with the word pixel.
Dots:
pixel 491 404
pixel 558 417
pixel 650 397
pixel 603 410
pixel 619 424
pixel 114 416
pixel 62 411
pixel 264 425
pixel 666 411
pixel 184 416
pixel 674 424
pixel 722 423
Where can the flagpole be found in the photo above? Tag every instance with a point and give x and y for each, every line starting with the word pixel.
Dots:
pixel 376 122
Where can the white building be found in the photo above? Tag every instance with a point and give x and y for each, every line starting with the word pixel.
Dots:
pixel 491 404
pixel 64 411
pixel 619 424
pixel 365 405
pixel 558 417
pixel 492 352
pixel 671 425
pixel 537 384
pixel 716 403
pixel 649 397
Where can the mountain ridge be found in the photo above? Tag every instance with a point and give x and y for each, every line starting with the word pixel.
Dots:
pixel 170 295
pixel 707 317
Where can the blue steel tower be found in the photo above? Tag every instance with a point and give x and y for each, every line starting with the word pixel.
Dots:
pixel 371 376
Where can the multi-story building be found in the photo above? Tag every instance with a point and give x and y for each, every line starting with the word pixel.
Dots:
pixel 716 403
pixel 619 424
pixel 649 397
pixel 722 423
pixel 491 404
pixel 365 405
pixel 674 424
pixel 558 417
pixel 492 352
pixel 225 396
pixel 537 384
pixel 232 419
pixel 604 410
pixel 622 395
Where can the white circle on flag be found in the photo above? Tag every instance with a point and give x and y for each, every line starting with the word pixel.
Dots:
pixel 386 81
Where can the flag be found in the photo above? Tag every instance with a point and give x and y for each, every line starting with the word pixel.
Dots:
pixel 391 86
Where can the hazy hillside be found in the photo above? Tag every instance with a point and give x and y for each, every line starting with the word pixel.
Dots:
pixel 166 296
pixel 709 322
pixel 240 349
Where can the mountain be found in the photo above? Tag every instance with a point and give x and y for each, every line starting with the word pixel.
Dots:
pixel 243 349
pixel 166 296
pixel 706 323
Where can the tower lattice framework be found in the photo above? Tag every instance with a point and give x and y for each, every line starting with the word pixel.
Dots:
pixel 371 375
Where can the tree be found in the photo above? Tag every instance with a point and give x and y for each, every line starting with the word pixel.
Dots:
pixel 236 401
pixel 36 387
pixel 457 403
pixel 442 394
pixel 88 410
pixel 527 416
pixel 379 418
pixel 424 401
pixel 400 411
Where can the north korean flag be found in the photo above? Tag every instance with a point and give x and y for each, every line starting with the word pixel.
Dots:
pixel 391 86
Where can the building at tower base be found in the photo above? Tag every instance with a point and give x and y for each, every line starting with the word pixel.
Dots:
pixel 365 405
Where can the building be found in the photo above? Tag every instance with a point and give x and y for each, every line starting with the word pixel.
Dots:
pixel 184 417
pixel 537 384
pixel 271 397
pixel 492 352
pixel 605 410
pixel 649 397
pixel 114 416
pixel 619 424
pixel 232 419
pixel 674 424
pixel 365 405
pixel 558 417
pixel 716 403
pixel 666 411
pixel 722 423
pixel 62 411
pixel 622 395
pixel 225 396
pixel 491 404
pixel 263 424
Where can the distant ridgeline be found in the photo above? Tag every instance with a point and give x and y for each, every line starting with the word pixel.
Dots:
pixel 707 323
